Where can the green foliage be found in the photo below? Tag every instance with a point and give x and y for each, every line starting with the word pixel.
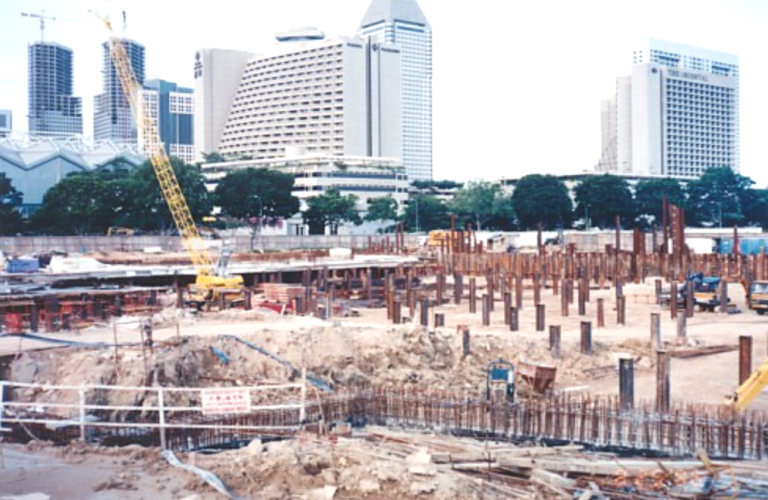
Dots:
pixel 480 202
pixel 251 192
pixel 214 157
pixel 82 203
pixel 601 198
pixel 754 206
pixel 143 206
pixel 10 220
pixel 329 210
pixel 425 213
pixel 649 198
pixel 382 209
pixel 542 199
pixel 715 198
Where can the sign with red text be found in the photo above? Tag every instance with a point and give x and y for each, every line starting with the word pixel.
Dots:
pixel 222 401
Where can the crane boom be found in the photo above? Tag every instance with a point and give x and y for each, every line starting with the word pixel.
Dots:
pixel 161 164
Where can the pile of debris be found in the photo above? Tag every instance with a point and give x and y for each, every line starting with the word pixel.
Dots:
pixel 385 464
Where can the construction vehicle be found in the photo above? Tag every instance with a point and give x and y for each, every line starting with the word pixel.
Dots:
pixel 750 389
pixel 757 296
pixel 705 291
pixel 500 381
pixel 213 282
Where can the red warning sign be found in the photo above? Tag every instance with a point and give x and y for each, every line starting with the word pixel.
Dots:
pixel 226 401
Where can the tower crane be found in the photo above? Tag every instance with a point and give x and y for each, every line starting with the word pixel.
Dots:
pixel 212 280
pixel 42 18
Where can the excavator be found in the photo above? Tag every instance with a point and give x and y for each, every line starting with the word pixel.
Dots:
pixel 750 389
pixel 213 282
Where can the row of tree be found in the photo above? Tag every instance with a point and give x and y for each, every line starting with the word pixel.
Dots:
pixel 90 203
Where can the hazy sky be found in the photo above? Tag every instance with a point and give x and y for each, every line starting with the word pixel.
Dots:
pixel 517 85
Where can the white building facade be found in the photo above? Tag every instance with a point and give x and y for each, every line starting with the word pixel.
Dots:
pixel 337 97
pixel 676 115
pixel 403 24
pixel 218 73
pixel 362 176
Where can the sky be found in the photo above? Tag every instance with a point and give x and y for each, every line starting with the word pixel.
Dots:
pixel 517 85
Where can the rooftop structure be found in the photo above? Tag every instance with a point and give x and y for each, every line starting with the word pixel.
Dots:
pixel 36 163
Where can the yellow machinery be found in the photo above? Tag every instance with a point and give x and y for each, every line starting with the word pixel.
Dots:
pixel 757 296
pixel 211 282
pixel 750 389
pixel 120 231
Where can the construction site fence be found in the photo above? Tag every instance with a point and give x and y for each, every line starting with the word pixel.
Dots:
pixel 173 418
pixel 22 245
pixel 169 417
pixel 600 423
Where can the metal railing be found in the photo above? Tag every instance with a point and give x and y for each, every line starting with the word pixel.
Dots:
pixel 280 408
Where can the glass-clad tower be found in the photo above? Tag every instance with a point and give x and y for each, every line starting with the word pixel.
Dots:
pixel 402 23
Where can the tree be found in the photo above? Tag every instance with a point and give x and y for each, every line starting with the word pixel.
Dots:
pixel 252 192
pixel 754 205
pixel 425 213
pixel 715 199
pixel 82 203
pixel 600 198
pixel 480 202
pixel 542 199
pixel 11 221
pixel 382 209
pixel 329 210
pixel 144 206
pixel 649 198
pixel 214 157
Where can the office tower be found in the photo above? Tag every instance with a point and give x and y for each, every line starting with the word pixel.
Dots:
pixel 676 115
pixel 338 97
pixel 174 108
pixel 217 77
pixel 53 110
pixel 6 122
pixel 402 23
pixel 112 112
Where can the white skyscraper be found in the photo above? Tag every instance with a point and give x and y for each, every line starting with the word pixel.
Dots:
pixel 676 115
pixel 402 23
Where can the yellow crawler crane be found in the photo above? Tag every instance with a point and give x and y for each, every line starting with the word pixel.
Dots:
pixel 211 281
pixel 750 389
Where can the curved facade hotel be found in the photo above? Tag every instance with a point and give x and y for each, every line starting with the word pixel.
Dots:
pixel 340 97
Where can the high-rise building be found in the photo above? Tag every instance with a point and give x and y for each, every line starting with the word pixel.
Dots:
pixel 112 118
pixel 218 74
pixel 339 97
pixel 6 122
pixel 174 109
pixel 676 115
pixel 402 23
pixel 53 110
